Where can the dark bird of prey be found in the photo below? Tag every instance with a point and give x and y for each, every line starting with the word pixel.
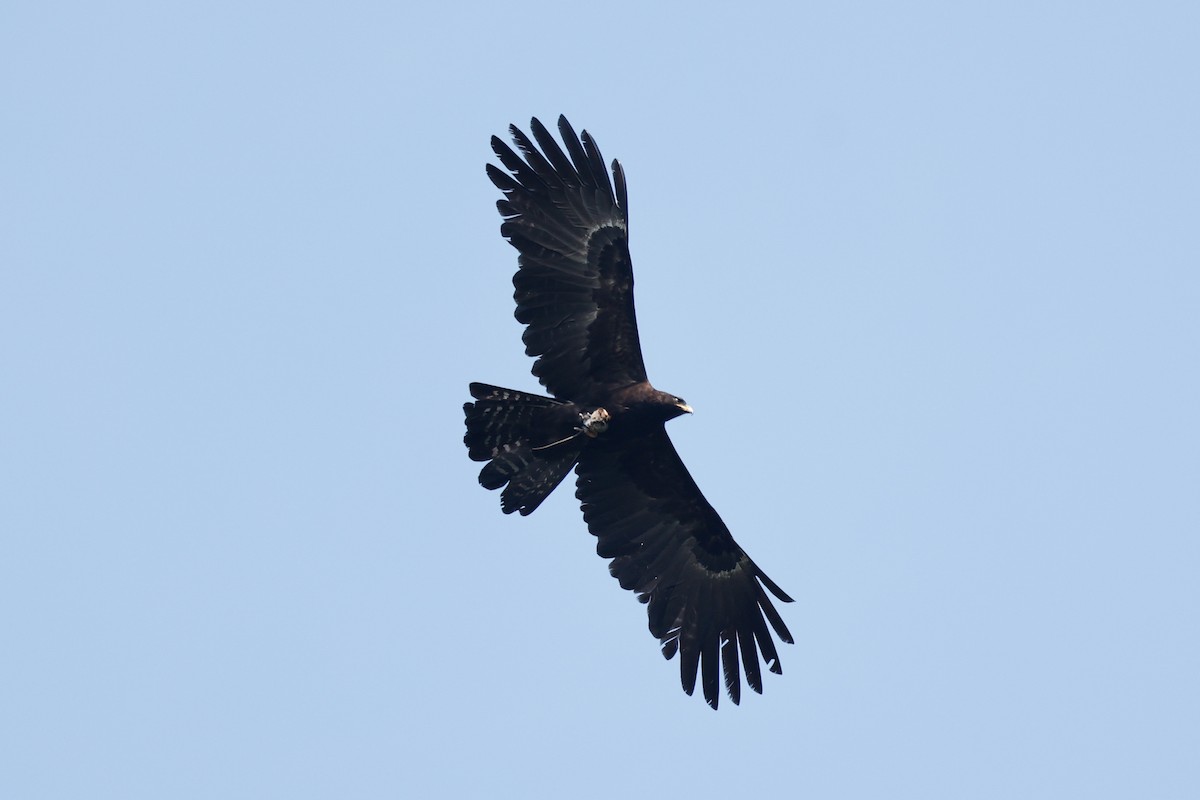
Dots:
pixel 706 599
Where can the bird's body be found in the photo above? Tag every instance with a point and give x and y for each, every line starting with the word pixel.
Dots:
pixel 574 293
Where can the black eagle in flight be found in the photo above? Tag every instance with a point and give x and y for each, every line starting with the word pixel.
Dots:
pixel 574 291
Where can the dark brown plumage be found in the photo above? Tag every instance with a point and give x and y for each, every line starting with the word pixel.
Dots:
pixel 706 599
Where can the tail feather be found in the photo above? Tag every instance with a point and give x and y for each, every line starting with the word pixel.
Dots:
pixel 527 441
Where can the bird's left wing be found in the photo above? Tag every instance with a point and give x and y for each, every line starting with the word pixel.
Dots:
pixel 706 598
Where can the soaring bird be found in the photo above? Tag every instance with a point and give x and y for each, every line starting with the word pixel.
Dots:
pixel 706 599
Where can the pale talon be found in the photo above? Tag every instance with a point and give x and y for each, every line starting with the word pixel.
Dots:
pixel 595 423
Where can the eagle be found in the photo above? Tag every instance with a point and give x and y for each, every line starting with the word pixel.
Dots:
pixel 706 599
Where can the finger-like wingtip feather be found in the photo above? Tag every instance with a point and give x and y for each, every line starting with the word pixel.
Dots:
pixel 729 662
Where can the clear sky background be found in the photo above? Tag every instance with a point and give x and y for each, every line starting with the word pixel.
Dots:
pixel 929 274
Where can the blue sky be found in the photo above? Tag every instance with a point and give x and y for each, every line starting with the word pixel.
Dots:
pixel 929 274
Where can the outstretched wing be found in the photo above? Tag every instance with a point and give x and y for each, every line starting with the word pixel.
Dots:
pixel 574 285
pixel 706 597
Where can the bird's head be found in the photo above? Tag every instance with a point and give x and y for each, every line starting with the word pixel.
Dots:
pixel 663 406
pixel 676 407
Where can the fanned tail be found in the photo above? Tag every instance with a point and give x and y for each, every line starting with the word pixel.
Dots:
pixel 530 443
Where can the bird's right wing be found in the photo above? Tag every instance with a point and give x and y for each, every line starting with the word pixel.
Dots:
pixel 574 285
